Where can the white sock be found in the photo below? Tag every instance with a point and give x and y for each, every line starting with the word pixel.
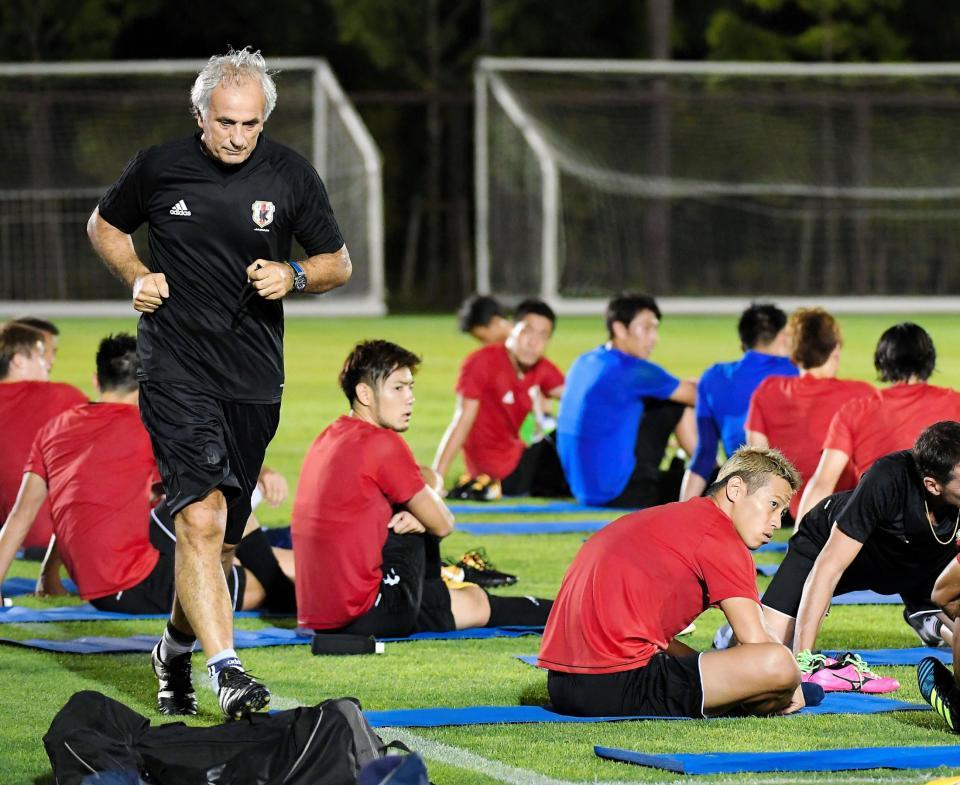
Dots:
pixel 171 647
pixel 225 659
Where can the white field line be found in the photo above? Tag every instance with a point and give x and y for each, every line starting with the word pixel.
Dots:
pixel 464 759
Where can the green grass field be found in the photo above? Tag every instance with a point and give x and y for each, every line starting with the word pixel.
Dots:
pixel 33 685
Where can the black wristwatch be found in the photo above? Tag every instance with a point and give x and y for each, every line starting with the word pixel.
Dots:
pixel 299 276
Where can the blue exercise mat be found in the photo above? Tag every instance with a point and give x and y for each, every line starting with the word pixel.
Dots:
pixel 899 656
pixel 769 570
pixel 17 587
pixel 772 547
pixel 531 527
pixel 811 760
pixel 866 598
pixel 249 639
pixel 482 508
pixel 86 612
pixel 833 703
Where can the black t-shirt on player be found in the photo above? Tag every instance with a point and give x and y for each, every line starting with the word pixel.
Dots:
pixel 886 513
pixel 207 223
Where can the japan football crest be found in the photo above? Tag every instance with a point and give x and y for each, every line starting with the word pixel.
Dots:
pixel 263 213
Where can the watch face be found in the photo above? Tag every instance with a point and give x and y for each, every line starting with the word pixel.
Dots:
pixel 300 282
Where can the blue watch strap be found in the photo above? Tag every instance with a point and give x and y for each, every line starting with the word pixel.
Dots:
pixel 296 267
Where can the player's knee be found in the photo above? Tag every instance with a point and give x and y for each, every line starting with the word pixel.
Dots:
pixel 778 667
pixel 200 526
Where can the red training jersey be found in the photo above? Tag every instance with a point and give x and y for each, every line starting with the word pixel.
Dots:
pixel 888 420
pixel 98 465
pixel 639 581
pixel 353 475
pixel 794 413
pixel 25 407
pixel 493 445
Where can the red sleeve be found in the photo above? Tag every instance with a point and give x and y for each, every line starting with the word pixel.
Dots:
pixel 549 377
pixel 472 376
pixel 71 397
pixel 35 463
pixel 397 472
pixel 755 421
pixel 727 567
pixel 840 433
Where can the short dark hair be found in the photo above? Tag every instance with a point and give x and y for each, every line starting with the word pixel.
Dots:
pixel 815 334
pixel 478 311
pixel 760 324
pixel 17 338
pixel 937 450
pixel 117 363
pixel 904 351
pixel 38 323
pixel 534 306
pixel 371 362
pixel 624 309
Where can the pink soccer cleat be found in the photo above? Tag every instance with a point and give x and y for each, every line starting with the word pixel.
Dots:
pixel 847 674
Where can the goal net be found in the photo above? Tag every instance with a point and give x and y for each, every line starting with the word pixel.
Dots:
pixel 717 180
pixel 71 127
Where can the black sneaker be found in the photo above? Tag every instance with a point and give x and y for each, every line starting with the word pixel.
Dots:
pixel 939 689
pixel 927 624
pixel 477 489
pixel 478 569
pixel 240 693
pixel 176 695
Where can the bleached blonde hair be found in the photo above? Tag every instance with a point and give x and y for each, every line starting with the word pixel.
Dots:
pixel 754 465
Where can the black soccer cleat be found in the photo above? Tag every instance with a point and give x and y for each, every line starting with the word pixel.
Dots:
pixel 240 693
pixel 176 695
pixel 478 569
pixel 939 689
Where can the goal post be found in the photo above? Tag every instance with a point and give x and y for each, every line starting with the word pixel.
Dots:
pixel 711 184
pixel 71 127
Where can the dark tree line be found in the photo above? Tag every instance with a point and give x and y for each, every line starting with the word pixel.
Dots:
pixel 408 67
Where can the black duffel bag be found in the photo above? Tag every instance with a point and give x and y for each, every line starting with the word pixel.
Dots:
pixel 326 744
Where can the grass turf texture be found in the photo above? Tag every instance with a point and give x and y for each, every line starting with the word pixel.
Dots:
pixel 35 685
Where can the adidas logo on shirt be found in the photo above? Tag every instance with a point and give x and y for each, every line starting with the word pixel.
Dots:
pixel 180 208
pixel 508 397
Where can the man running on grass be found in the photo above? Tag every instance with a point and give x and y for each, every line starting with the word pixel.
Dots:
pixel 366 526
pixel 610 641
pixel 223 208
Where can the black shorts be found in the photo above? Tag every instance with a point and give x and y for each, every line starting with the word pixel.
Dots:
pixel 665 687
pixel 648 485
pixel 539 472
pixel 871 569
pixel 154 594
pixel 412 597
pixel 202 443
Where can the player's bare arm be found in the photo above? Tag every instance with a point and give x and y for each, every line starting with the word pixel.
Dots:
pixel 824 480
pixel 323 272
pixel 836 556
pixel 33 490
pixel 117 251
pixel 49 582
pixel 428 508
pixel 456 434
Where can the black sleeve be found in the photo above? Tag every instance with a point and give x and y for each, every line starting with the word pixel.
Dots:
pixel 122 206
pixel 879 496
pixel 314 226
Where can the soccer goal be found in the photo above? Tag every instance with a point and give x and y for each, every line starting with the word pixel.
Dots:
pixel 71 127
pixel 710 184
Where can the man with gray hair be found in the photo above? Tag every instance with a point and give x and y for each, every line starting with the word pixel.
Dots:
pixel 222 207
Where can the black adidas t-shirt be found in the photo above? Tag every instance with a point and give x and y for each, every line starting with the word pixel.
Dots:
pixel 886 513
pixel 207 223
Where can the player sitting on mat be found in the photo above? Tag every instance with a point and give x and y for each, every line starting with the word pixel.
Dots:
pixel 96 466
pixel 893 534
pixel 610 641
pixel 366 526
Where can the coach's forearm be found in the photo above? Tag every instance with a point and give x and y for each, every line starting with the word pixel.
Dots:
pixel 326 271
pixel 116 249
